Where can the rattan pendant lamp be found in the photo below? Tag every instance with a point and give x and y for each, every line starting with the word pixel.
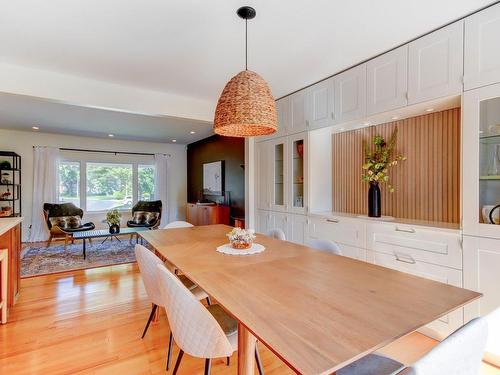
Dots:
pixel 246 107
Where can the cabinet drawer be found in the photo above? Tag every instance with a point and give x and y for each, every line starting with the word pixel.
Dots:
pixel 416 244
pixel 353 252
pixel 445 325
pixel 341 230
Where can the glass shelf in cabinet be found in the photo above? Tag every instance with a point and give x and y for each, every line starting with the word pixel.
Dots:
pixel 489 178
pixel 489 138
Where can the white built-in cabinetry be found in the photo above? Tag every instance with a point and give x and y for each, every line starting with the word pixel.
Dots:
pixel 482 55
pixel 349 233
pixel 297 112
pixel 282 174
pixel 435 64
pixel 387 81
pixel 350 94
pixel 320 104
pixel 481 168
pixel 462 55
pixel 428 68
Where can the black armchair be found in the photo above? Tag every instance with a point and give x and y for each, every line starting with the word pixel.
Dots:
pixel 146 214
pixel 61 219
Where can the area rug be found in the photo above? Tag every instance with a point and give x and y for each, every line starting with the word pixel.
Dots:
pixel 40 260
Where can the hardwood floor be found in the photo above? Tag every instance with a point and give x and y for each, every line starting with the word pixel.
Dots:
pixel 90 322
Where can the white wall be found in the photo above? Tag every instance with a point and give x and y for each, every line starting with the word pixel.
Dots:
pixel 22 143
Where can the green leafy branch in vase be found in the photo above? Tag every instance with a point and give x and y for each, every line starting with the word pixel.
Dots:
pixel 113 217
pixel 379 157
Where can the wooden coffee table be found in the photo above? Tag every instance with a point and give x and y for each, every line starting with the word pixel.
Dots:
pixel 104 233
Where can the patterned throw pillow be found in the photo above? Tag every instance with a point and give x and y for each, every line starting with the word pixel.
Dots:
pixel 151 217
pixel 66 222
pixel 140 217
pixel 74 222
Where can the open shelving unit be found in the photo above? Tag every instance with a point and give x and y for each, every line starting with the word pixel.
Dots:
pixel 10 184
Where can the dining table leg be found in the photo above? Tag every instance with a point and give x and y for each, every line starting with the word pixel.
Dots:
pixel 246 351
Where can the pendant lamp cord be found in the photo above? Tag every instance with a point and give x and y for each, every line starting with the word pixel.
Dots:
pixel 246 44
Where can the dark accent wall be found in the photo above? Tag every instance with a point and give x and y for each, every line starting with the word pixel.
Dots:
pixel 232 151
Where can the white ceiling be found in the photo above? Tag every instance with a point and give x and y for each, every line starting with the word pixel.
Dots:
pixel 22 113
pixel 192 48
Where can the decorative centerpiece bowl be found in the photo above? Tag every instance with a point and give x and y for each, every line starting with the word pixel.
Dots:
pixel 241 239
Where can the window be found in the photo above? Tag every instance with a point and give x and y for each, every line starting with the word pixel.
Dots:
pixel 146 182
pixel 109 186
pixel 105 185
pixel 69 182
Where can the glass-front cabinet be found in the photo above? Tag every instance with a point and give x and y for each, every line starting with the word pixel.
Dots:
pixel 282 174
pixel 278 163
pixel 297 162
pixel 481 162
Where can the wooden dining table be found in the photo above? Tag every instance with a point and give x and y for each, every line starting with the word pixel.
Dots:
pixel 316 311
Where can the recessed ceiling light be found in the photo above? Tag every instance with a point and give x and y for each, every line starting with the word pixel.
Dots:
pixel 342 129
pixel 192 132
pixel 111 135
pixel 174 140
pixel 367 123
pixel 395 117
pixel 429 109
pixel 481 131
pixel 35 128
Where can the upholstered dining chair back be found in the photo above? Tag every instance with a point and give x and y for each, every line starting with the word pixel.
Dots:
pixel 326 245
pixel 277 233
pixel 195 330
pixel 178 224
pixel 147 262
pixel 460 353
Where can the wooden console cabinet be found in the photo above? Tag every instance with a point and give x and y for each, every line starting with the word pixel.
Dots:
pixel 10 239
pixel 197 214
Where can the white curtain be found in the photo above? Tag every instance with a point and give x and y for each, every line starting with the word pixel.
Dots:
pixel 161 185
pixel 45 184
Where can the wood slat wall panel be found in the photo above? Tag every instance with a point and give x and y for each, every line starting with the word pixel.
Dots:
pixel 427 183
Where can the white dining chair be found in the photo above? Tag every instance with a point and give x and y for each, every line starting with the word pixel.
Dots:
pixel 460 353
pixel 326 246
pixel 277 234
pixel 178 224
pixel 148 262
pixel 198 331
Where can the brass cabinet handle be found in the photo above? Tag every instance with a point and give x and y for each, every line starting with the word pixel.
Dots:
pixel 332 220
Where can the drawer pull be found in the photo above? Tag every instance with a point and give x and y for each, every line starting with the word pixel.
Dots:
pixel 404 258
pixel 332 220
pixel 410 230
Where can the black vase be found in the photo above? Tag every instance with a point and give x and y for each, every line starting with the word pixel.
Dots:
pixel 114 228
pixel 374 206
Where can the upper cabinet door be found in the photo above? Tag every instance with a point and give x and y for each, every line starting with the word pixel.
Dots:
pixel 297 113
pixel 282 109
pixel 277 160
pixel 320 104
pixel 350 94
pixel 387 77
pixel 297 173
pixel 481 161
pixel 482 52
pixel 436 64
